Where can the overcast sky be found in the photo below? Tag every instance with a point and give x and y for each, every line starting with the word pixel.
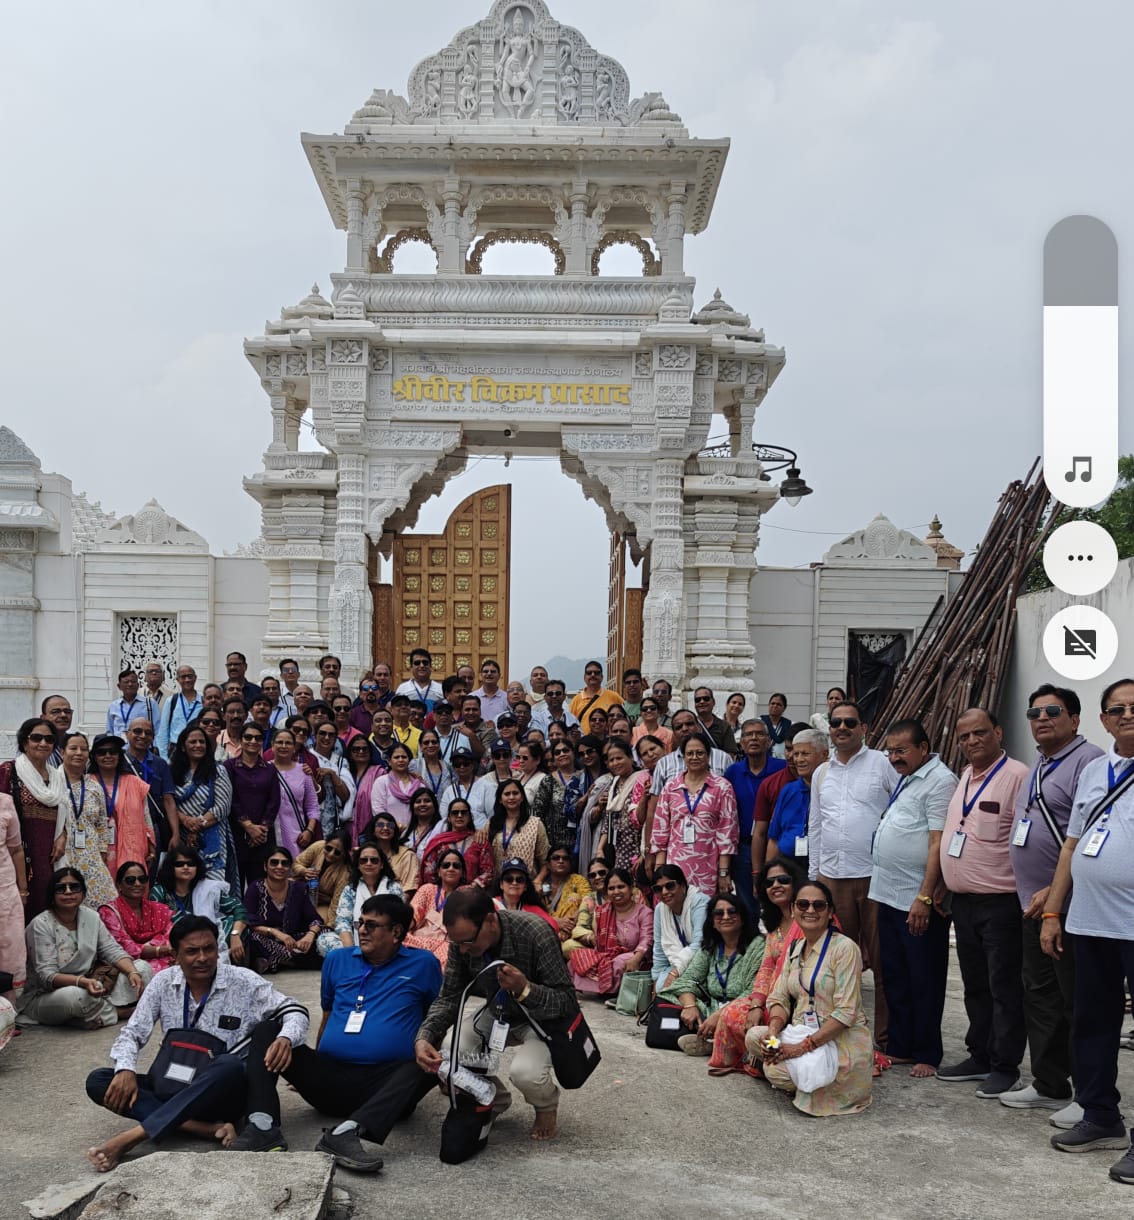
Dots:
pixel 894 168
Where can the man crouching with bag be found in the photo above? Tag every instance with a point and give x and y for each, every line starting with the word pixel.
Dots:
pixel 531 980
pixel 196 1084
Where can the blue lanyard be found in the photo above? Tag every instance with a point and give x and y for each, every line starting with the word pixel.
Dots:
pixel 717 969
pixel 362 988
pixel 815 972
pixel 439 899
pixel 197 1015
pixel 82 798
pixel 187 715
pixel 680 932
pixel 1113 781
pixel 111 797
pixel 692 807
pixel 506 838
pixel 966 804
pixel 898 791
pixel 429 778
pixel 125 716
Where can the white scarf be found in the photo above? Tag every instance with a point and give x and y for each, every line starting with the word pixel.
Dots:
pixel 677 954
pixel 361 894
pixel 50 793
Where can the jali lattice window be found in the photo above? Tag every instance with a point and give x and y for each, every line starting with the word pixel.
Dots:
pixel 143 638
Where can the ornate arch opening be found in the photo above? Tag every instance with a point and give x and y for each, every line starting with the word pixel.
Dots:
pixel 528 237
pixel 382 262
pixel 651 264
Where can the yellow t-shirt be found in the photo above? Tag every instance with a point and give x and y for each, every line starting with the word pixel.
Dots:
pixel 409 736
pixel 605 699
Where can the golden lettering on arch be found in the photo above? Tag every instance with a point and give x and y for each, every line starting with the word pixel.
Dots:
pixel 438 388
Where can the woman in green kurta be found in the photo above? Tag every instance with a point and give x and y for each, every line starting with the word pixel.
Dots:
pixel 721 970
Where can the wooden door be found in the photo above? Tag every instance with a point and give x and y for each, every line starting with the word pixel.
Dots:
pixel 623 618
pixel 450 590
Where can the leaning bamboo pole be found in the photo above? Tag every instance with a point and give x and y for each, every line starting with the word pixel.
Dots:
pixel 962 655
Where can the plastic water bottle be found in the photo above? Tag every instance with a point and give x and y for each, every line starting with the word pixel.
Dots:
pixel 483 1091
pixel 486 1061
pixel 313 888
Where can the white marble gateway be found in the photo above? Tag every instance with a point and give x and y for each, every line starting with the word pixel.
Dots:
pixel 519 130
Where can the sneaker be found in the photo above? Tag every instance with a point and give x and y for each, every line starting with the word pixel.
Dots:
pixel 1028 1097
pixel 1066 1118
pixel 1086 1137
pixel 996 1083
pixel 348 1151
pixel 959 1073
pixel 1123 1170
pixel 694 1044
pixel 255 1139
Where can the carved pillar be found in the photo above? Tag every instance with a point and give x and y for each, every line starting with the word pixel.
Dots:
pixel 673 250
pixel 449 256
pixel 350 609
pixel 578 256
pixel 279 402
pixel 356 250
pixel 663 625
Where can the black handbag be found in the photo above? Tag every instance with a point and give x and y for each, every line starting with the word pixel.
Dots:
pixel 574 1052
pixel 182 1054
pixel 663 1025
pixel 465 1129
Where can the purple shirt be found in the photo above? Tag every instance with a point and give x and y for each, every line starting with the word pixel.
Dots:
pixel 255 792
pixel 1034 863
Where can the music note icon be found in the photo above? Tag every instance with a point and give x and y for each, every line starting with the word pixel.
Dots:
pixel 1085 477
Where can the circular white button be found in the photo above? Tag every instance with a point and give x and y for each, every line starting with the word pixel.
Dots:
pixel 1080 642
pixel 1080 558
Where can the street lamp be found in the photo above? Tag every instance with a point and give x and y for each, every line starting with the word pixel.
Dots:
pixel 771 457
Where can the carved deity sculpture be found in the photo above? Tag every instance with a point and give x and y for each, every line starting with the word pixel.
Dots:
pixel 468 86
pixel 604 94
pixel 568 85
pixel 432 104
pixel 514 68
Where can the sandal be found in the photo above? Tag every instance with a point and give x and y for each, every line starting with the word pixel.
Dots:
pixel 882 1063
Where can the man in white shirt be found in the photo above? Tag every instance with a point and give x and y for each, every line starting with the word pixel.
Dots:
pixel 421 685
pixel 289 679
pixel 849 794
pixel 552 707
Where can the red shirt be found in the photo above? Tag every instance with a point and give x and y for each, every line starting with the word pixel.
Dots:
pixel 768 792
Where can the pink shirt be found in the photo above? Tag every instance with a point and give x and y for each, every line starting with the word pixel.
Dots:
pixel 985 864
pixel 715 829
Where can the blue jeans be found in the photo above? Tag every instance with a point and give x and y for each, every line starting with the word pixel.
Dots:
pixel 217 1093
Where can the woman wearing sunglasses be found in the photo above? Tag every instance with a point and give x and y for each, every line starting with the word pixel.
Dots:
pixel 650 725
pixel 324 868
pixel 428 931
pixel 127 808
pixel 623 937
pixel 82 831
pixel 583 933
pixel 78 974
pixel 182 885
pixel 775 889
pixel 565 889
pixel 679 917
pixel 282 920
pixel 819 988
pixel 515 892
pixel 555 802
pixel 36 789
pixel 457 833
pixel 722 970
pixel 140 925
pixel 371 875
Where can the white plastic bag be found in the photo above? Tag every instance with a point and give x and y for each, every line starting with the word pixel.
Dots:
pixel 814 1070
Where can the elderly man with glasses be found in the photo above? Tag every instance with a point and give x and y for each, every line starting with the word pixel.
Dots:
pixel 1039 830
pixel 153 770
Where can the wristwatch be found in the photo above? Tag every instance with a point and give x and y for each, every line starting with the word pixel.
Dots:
pixel 926 899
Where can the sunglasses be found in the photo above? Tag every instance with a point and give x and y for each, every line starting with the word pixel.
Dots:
pixel 184 864
pixel 277 863
pixel 850 722
pixel 49 737
pixel 369 925
pixel 599 872
pixel 366 690
pixel 450 864
pixel 251 737
pixel 702 699
pixel 779 879
pixel 139 879
pixel 649 707
pixel 1117 709
pixel 725 913
pixel 1052 710
pixel 665 887
pixel 105 752
pixel 818 905
pixel 370 859
pixel 514 879
pixel 68 887
pixel 560 859
pixel 212 724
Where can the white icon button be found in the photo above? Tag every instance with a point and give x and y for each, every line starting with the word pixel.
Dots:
pixel 1080 643
pixel 1080 558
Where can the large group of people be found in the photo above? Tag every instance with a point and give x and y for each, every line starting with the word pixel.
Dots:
pixel 738 872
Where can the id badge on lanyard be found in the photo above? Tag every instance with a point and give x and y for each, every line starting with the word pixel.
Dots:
pixel 1095 841
pixel 957 843
pixel 1020 834
pixel 80 838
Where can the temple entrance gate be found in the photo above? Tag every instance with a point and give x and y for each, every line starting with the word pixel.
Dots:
pixel 518 131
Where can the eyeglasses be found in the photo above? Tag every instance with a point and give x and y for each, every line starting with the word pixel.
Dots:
pixel 369 925
pixel 779 879
pixel 41 737
pixel 1117 709
pixel 385 826
pixel 850 722
pixel 136 879
pixel 464 944
pixel 450 864
pixel 559 859
pixel 587 750
pixel 1052 710
pixel 68 887
pixel 725 913
pixel 60 711
pixel 141 732
pixel 665 887
pixel 818 905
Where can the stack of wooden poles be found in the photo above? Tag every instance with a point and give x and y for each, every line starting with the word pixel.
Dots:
pixel 960 658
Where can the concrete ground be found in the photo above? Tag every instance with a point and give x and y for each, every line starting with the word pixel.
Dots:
pixel 650 1130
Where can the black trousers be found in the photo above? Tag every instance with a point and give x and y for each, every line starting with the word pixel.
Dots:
pixel 914 973
pixel 1102 967
pixel 216 1095
pixel 990 951
pixel 1049 1007
pixel 374 1095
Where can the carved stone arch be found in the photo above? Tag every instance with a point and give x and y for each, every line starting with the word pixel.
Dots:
pixel 651 264
pixel 515 237
pixel 641 197
pixel 485 195
pixel 374 229
pixel 383 263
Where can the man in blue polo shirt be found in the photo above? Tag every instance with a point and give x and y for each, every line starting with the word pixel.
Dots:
pixel 374 998
pixel 746 776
